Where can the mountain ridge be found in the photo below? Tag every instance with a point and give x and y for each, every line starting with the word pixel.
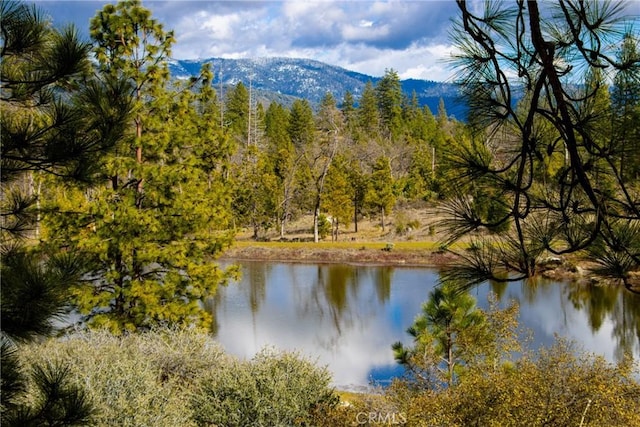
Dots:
pixel 285 79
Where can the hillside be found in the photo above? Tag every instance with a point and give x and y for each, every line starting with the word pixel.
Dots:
pixel 284 79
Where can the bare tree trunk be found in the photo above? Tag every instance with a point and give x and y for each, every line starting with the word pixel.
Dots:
pixel 355 215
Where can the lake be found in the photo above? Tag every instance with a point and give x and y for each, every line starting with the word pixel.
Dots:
pixel 347 317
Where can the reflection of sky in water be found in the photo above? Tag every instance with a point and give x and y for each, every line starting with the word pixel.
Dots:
pixel 348 317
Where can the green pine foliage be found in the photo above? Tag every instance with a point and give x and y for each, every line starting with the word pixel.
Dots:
pixel 380 194
pixel 549 168
pixel 153 251
pixel 155 224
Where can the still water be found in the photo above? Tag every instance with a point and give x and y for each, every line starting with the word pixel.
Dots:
pixel 347 317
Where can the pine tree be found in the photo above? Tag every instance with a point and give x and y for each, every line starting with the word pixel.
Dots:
pixel 56 120
pixel 588 204
pixel 626 110
pixel 237 113
pixel 284 162
pixel 444 335
pixel 368 115
pixel 338 195
pixel 301 124
pixel 380 195
pixel 389 99
pixel 153 228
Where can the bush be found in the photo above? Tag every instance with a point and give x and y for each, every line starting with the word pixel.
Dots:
pixel 183 378
pixel 324 226
pixel 135 380
pixel 558 386
pixel 405 225
pixel 273 389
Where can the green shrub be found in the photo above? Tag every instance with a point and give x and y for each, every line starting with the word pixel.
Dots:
pixel 273 389
pixel 405 225
pixel 135 380
pixel 183 378
pixel 324 226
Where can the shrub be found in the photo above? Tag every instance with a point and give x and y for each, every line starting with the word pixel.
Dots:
pixel 405 225
pixel 174 377
pixel 324 226
pixel 135 380
pixel 273 389
pixel 558 386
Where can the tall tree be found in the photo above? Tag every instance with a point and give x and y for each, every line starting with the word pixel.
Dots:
pixel 368 114
pixel 151 246
pixel 237 112
pixel 255 188
pixel 285 162
pixel 578 210
pixel 319 154
pixel 389 98
pixel 626 109
pixel 339 195
pixel 131 44
pixel 56 120
pixel 301 123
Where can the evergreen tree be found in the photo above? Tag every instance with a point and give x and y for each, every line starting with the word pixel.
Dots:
pixel 380 195
pixel 255 187
pixel 338 195
pixel 49 126
pixel 588 204
pixel 348 108
pixel 358 181
pixel 284 161
pixel 368 115
pixel 237 113
pixel 444 335
pixel 152 245
pixel 389 100
pixel 626 109
pixel 301 123
pixel 321 151
pixel 56 120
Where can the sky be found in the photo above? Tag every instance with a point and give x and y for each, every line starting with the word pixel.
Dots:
pixel 370 37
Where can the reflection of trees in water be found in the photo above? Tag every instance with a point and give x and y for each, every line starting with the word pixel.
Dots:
pixel 599 304
pixel 610 302
pixel 211 305
pixel 256 274
pixel 335 294
pixel 253 273
pixel 383 283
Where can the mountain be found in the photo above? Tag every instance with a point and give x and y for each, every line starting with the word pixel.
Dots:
pixel 285 79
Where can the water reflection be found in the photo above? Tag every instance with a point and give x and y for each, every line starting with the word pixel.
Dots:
pixel 348 316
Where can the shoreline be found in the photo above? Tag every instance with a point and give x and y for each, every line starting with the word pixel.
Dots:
pixel 374 254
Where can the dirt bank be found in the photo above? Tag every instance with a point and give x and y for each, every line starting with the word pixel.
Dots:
pixel 362 255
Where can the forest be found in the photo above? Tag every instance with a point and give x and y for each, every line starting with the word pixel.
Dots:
pixel 122 186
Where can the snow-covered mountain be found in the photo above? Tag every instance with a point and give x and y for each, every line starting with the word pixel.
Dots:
pixel 284 79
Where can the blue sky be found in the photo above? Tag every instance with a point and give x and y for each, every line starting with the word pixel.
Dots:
pixel 365 36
